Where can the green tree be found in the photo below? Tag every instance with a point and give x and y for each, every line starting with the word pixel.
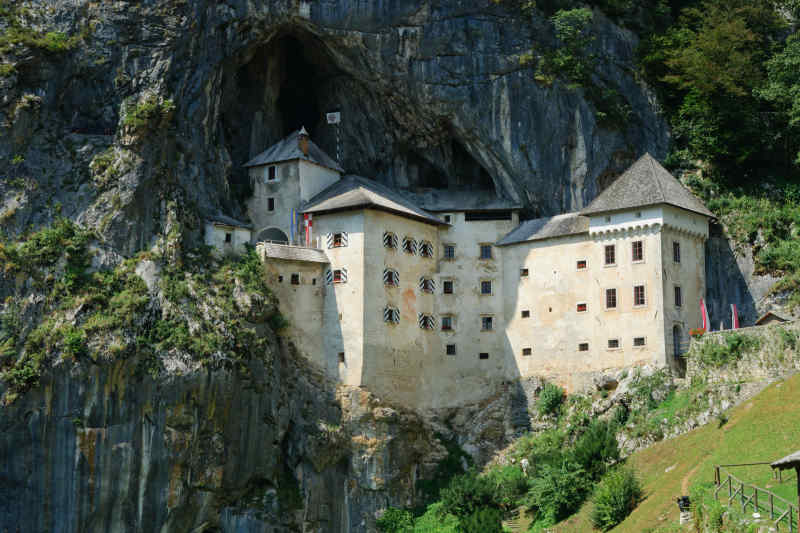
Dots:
pixel 596 449
pixel 615 497
pixel 556 492
pixel 782 90
pixel 466 494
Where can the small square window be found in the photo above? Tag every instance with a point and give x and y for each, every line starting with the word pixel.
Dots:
pixel 483 355
pixel 583 347
pixel 526 313
pixel 610 255
pixel 678 297
pixel 637 251
pixel 611 298
pixel 449 252
pixel 676 252
pixel 295 279
pixel 450 349
pixel 270 204
pixel 447 219
pixel 582 307
pixel 486 251
pixel 526 351
pixel 639 341
pixel 337 276
pixel 272 173
pixel 228 238
pixel 613 344
pixel 486 287
pixel 523 272
pixel 486 323
pixel 341 357
pixel 280 279
pixel 447 323
pixel 638 295
pixel 447 286
pixel 581 264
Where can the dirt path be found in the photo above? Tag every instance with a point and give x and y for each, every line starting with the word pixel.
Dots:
pixel 685 480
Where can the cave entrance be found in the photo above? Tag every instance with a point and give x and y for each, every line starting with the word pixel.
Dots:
pixel 298 103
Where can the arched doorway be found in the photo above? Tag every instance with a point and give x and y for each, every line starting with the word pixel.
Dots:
pixel 272 234
pixel 679 362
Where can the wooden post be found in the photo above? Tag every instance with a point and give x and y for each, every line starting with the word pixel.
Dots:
pixel 716 475
pixel 771 508
pixel 797 480
pixel 755 499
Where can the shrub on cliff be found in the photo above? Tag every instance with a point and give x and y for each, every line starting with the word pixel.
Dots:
pixel 615 497
pixel 550 399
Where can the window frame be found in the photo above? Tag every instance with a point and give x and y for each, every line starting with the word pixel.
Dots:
pixel 527 351
pixel 491 287
pixel 228 237
pixel 676 252
pixel 644 342
pixel 389 240
pixel 426 249
pixel 641 251
pixel 581 346
pixel 677 296
pixel 484 318
pixel 447 349
pixel 487 246
pixel 338 240
pixel 525 313
pixel 391 278
pixel 409 245
pixel 452 284
pixel 427 285
pixel 391 315
pixel 616 340
pixel 578 267
pixel 616 299
pixel 483 356
pixel 272 173
pixel 271 204
pixel 426 321
pixel 445 248
pixel 524 273
pixel 613 249
pixel 293 277
pixel 578 307
pixel 451 323
pixel 642 286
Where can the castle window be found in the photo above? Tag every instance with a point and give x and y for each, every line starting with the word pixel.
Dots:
pixel 450 349
pixel 341 357
pixel 391 315
pixel 336 276
pixel 447 323
pixel 389 240
pixel 523 272
pixel 295 279
pixel 611 298
pixel 337 240
pixel 581 264
pixel 425 249
pixel 410 246
pixel 583 347
pixel 272 173
pixel 486 323
pixel 447 286
pixel 448 219
pixel 613 344
pixel 228 238
pixel 678 296
pixel 270 204
pixel 449 252
pixel 582 307
pixel 639 341
pixel 526 313
pixel 483 355
pixel 391 278
pixel 313 281
pixel 486 251
pixel 426 321
pixel 676 252
pixel 526 351
pixel 638 295
pixel 280 279
pixel 637 251
pixel 486 287
pixel 610 255
pixel 427 285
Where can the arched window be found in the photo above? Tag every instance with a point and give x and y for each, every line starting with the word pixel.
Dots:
pixel 410 246
pixel 427 284
pixel 391 315
pixel 389 240
pixel 426 249
pixel 426 321
pixel 390 277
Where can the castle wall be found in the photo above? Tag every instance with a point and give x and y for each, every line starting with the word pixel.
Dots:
pixel 314 179
pixel 344 308
pixel 215 237
pixel 285 190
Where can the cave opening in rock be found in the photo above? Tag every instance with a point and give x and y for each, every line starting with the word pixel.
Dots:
pixel 297 101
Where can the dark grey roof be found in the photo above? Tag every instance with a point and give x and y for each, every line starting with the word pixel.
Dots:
pixel 645 183
pixel 790 461
pixel 352 192
pixel 292 253
pixel 288 149
pixel 228 221
pixel 438 200
pixel 777 315
pixel 547 228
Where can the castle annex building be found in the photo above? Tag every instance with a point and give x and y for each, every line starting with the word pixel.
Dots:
pixel 433 297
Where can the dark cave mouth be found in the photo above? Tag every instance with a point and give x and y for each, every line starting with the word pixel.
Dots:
pixel 292 81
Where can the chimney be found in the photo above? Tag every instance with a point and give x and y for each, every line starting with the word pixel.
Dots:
pixel 302 141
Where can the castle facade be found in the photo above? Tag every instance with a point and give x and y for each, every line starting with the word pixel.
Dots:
pixel 433 298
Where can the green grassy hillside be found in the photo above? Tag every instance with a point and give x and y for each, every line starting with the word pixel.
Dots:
pixel 763 429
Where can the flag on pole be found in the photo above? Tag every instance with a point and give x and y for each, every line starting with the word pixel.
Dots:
pixel 308 222
pixel 704 313
pixel 734 317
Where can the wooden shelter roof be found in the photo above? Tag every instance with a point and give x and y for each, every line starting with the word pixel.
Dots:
pixel 790 461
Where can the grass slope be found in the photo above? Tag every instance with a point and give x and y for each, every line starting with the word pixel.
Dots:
pixel 765 428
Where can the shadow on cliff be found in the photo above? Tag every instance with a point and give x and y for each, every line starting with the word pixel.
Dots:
pixel 725 283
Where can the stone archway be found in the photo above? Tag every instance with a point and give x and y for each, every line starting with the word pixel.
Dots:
pixel 272 234
pixel 678 361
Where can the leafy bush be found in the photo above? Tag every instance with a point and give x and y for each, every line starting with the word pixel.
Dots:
pixel 550 399
pixel 151 112
pixel 732 349
pixel 486 520
pixel 466 494
pixel 615 497
pixel 556 492
pixel 395 520
pixel 596 449
pixel 508 484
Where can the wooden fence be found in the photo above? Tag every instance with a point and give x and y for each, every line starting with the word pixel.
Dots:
pixel 781 511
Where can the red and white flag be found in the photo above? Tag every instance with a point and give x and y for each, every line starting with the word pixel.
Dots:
pixel 704 313
pixel 734 317
pixel 309 222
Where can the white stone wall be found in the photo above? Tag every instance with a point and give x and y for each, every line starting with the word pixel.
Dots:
pixel 285 190
pixel 215 236
pixel 314 179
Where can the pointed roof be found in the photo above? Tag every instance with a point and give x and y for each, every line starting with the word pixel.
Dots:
pixel 645 183
pixel 288 149
pixel 546 228
pixel 355 192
